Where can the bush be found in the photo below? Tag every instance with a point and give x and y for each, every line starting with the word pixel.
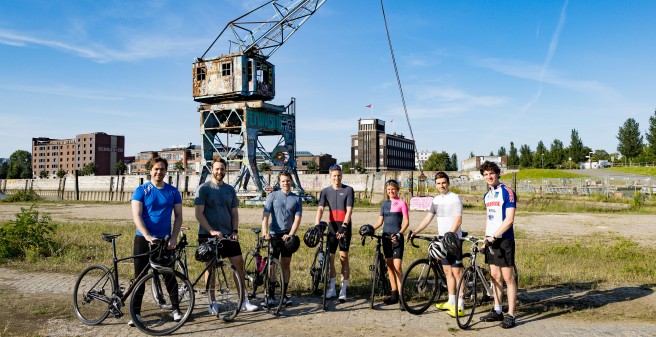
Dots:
pixel 22 196
pixel 29 233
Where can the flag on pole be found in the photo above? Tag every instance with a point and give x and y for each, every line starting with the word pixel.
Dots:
pixel 369 106
pixel 392 120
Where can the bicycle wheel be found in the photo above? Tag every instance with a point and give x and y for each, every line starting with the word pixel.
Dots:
pixel 152 318
pixel 252 278
pixel 228 291
pixel 91 294
pixel 273 286
pixel 419 287
pixel 326 279
pixel 316 271
pixel 375 279
pixel 162 298
pixel 469 294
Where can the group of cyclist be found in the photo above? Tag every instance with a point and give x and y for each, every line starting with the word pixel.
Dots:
pixel 216 209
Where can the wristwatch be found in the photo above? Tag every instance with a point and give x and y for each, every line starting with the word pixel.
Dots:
pixel 235 231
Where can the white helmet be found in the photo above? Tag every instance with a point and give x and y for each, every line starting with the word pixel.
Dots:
pixel 436 250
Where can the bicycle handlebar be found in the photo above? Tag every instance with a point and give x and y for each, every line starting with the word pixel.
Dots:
pixel 422 237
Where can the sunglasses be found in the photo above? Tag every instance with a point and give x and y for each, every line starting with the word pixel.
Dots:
pixel 335 167
pixel 391 181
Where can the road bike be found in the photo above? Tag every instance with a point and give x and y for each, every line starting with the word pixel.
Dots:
pixel 98 293
pixel 226 291
pixel 320 267
pixel 265 271
pixel 380 284
pixel 474 288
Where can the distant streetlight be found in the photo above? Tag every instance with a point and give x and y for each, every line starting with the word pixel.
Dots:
pixel 543 160
pixel 590 159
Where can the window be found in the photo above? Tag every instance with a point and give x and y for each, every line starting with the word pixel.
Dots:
pixel 200 73
pixel 226 69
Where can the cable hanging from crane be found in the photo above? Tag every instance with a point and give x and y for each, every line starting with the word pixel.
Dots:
pixel 398 82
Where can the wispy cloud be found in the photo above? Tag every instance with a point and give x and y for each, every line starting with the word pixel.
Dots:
pixel 85 93
pixel 439 101
pixel 136 48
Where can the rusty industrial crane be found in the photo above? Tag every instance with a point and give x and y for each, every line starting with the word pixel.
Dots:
pixel 233 87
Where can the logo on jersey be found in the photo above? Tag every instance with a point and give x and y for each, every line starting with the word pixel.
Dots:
pixel 490 216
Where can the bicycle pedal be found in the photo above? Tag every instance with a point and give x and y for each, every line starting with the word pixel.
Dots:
pixel 371 268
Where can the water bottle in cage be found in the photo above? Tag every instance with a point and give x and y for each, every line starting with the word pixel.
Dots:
pixel 320 257
pixel 259 262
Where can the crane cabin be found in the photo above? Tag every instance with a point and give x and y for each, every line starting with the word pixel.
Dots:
pixel 233 77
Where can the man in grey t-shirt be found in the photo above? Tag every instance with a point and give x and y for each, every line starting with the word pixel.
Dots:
pixel 286 209
pixel 216 208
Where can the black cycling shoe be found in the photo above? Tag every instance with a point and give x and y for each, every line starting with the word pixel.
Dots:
pixel 391 300
pixel 492 316
pixel 508 322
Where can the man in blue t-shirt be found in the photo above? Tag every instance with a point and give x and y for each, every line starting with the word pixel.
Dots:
pixel 500 202
pixel 153 203
pixel 285 209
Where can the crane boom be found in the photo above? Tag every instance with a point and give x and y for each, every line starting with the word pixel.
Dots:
pixel 251 36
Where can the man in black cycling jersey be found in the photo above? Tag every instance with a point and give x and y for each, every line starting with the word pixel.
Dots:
pixel 339 199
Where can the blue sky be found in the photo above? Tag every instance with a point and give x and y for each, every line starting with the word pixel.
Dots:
pixel 476 74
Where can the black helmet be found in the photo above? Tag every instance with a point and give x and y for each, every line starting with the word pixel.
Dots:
pixel 436 250
pixel 312 236
pixel 161 258
pixel 451 243
pixel 205 252
pixel 367 230
pixel 292 243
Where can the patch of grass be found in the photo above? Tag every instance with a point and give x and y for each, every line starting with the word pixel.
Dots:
pixel 646 171
pixel 22 196
pixel 542 173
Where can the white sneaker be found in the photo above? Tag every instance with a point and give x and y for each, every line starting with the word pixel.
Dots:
pixel 342 295
pixel 131 323
pixel 247 306
pixel 177 316
pixel 214 309
pixel 331 293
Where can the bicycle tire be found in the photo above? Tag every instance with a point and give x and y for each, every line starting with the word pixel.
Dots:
pixel 162 298
pixel 251 275
pixel 157 321
pixel 419 286
pixel 375 273
pixel 273 286
pixel 316 271
pixel 326 279
pixel 229 292
pixel 95 283
pixel 469 294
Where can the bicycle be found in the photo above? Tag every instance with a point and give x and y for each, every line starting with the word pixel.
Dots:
pixel 230 290
pixel 380 284
pixel 423 282
pixel 320 267
pixel 97 293
pixel 474 287
pixel 264 271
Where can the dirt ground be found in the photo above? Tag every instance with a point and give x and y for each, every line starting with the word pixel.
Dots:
pixel 353 318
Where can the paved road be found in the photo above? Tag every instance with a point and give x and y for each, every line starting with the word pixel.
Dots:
pixel 352 318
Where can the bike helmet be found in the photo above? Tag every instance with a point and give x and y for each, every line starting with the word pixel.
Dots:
pixel 367 230
pixel 436 250
pixel 312 236
pixel 161 258
pixel 292 243
pixel 205 252
pixel 451 243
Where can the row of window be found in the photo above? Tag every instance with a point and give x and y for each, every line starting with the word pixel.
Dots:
pixel 56 166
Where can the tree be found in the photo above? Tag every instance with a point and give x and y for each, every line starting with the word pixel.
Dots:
pixel 630 140
pixel 471 154
pixel 525 156
pixel 264 166
pixel 4 169
pixel 61 173
pixel 346 166
pixel 539 155
pixel 513 157
pixel 438 162
pixel 576 151
pixel 89 169
pixel 650 135
pixel 600 155
pixel 454 162
pixel 358 168
pixel 491 153
pixel 120 167
pixel 556 154
pixel 313 167
pixel 43 174
pixel 179 166
pixel 20 165
pixel 148 166
pixel 501 151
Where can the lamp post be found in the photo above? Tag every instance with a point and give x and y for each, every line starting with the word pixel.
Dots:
pixel 543 161
pixel 590 160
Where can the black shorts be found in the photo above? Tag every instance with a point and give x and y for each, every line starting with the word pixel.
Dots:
pixel 228 248
pixel 502 253
pixel 390 251
pixel 333 243
pixel 453 260
pixel 278 245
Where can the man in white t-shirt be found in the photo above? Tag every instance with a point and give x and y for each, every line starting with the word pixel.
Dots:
pixel 448 208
